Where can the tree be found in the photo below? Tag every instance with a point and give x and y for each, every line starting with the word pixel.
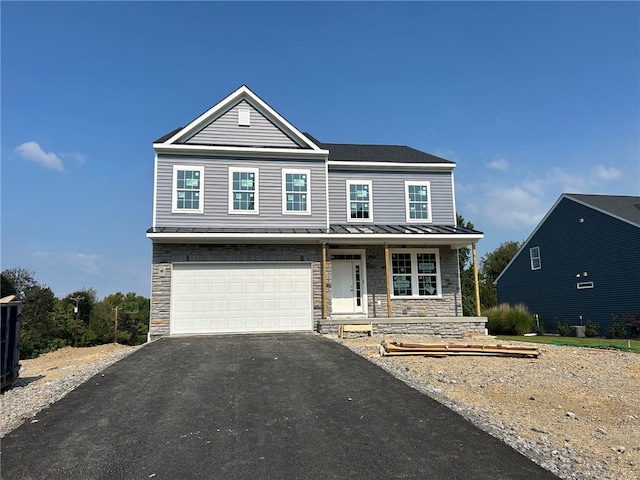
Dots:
pixel 39 331
pixel 8 287
pixel 22 279
pixel 492 265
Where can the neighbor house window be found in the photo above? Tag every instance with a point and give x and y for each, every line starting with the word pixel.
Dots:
pixel 243 190
pixel 296 191
pixel 188 192
pixel 418 201
pixel 415 273
pixel 359 201
pixel 534 255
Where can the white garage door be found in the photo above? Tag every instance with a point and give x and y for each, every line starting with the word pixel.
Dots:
pixel 236 298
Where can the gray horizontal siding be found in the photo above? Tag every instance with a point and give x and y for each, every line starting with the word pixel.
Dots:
pixel 225 131
pixel 389 195
pixel 216 194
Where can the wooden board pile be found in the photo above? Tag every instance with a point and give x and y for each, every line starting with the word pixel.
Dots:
pixel 389 347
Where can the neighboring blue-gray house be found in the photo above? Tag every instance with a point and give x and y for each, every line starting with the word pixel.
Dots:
pixel 581 263
pixel 258 227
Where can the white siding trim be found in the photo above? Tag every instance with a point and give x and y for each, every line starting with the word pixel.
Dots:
pixel 243 151
pixel 391 165
pixel 155 189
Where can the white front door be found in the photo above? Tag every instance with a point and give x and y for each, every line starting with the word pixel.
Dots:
pixel 347 282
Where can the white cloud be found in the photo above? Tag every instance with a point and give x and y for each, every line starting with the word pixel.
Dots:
pixel 32 152
pixel 89 263
pixel 600 172
pixel 498 164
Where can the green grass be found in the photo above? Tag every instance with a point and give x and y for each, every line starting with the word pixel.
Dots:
pixel 622 344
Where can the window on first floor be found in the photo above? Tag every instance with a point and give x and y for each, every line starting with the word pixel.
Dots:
pixel 418 201
pixel 188 193
pixel 243 190
pixel 296 191
pixel 415 273
pixel 359 201
pixel 534 256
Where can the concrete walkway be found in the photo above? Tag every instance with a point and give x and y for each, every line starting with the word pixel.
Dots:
pixel 253 407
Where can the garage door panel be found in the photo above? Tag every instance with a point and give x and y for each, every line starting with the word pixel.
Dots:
pixel 218 298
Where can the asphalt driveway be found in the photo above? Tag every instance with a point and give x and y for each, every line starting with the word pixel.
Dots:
pixel 253 407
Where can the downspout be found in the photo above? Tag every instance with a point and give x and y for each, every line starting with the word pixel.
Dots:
pixel 475 278
pixel 324 280
pixel 388 275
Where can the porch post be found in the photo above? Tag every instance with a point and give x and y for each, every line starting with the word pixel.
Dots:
pixel 475 278
pixel 324 280
pixel 388 275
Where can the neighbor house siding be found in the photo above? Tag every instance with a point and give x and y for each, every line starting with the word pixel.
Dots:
pixel 602 246
pixel 225 130
pixel 216 194
pixel 389 195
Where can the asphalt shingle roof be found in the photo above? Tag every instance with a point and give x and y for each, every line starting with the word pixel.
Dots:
pixel 624 206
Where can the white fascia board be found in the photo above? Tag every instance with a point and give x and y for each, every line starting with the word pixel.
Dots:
pixel 243 151
pixel 392 165
pixel 242 93
pixel 454 241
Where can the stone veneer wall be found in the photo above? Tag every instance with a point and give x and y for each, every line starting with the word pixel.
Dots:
pixel 444 327
pixel 165 254
pixel 450 305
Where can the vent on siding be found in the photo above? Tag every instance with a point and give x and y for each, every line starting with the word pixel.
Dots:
pixel 583 285
pixel 244 117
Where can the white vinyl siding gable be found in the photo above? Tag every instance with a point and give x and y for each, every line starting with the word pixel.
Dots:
pixel 187 189
pixel 243 190
pixel 418 202
pixel 296 197
pixel 359 201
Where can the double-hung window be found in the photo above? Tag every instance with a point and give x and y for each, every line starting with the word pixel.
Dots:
pixel 359 201
pixel 296 192
pixel 243 190
pixel 418 201
pixel 415 273
pixel 534 256
pixel 188 190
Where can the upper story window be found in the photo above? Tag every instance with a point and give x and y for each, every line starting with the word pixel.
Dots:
pixel 415 273
pixel 418 201
pixel 243 190
pixel 188 191
pixel 534 255
pixel 296 191
pixel 359 201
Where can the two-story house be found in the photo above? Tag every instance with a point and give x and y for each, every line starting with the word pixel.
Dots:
pixel 258 227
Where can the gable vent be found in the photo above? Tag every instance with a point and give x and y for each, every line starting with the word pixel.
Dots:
pixel 244 117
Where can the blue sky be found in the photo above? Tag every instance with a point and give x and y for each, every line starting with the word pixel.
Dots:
pixel 530 99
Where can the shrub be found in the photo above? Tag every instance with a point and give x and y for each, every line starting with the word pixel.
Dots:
pixel 617 330
pixel 592 329
pixel 633 323
pixel 564 330
pixel 506 320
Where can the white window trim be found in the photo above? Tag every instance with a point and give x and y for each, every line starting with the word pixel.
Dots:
pixel 359 182
pixel 284 192
pixel 414 270
pixel 429 218
pixel 536 257
pixel 256 196
pixel 174 189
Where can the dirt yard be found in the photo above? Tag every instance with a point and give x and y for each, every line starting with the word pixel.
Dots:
pixel 575 408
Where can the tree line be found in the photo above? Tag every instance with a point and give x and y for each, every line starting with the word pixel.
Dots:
pixel 79 320
pixel 489 268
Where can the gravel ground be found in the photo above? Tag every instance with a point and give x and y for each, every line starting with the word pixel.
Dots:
pixel 575 411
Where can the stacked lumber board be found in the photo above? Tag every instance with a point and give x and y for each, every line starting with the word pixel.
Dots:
pixel 389 347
